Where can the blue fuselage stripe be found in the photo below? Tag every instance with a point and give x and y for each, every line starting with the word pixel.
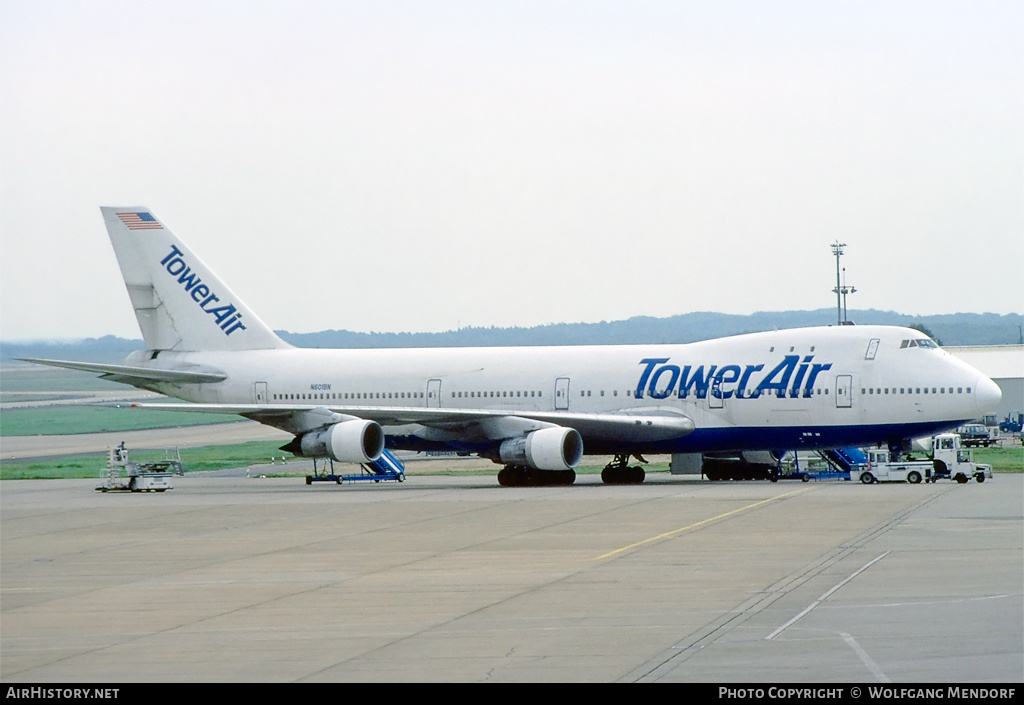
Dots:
pixel 729 439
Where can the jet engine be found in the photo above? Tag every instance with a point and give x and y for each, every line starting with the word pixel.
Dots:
pixel 745 465
pixel 769 458
pixel 547 449
pixel 356 441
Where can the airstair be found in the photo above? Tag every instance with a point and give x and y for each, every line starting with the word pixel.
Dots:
pixel 386 467
pixel 842 464
pixel 122 474
pixel 845 459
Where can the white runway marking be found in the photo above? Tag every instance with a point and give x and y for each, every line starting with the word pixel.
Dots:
pixel 824 597
pixel 872 666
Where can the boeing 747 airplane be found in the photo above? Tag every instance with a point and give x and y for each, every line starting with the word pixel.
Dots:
pixel 535 410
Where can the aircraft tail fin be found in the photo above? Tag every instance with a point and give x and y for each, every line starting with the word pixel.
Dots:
pixel 179 302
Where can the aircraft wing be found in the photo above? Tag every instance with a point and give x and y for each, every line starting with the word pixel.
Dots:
pixel 135 376
pixel 651 424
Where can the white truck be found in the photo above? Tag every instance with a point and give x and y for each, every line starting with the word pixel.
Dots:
pixel 949 460
pixel 880 468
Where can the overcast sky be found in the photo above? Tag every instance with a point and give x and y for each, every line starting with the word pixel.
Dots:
pixel 422 166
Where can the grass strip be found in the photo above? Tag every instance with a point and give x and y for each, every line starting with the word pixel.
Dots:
pixel 71 419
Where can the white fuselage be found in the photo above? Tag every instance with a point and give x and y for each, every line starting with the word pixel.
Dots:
pixel 810 388
pixel 532 408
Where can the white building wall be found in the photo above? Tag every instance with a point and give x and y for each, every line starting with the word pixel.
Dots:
pixel 1004 364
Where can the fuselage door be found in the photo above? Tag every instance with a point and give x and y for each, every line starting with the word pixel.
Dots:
pixel 259 392
pixel 562 394
pixel 844 391
pixel 716 400
pixel 872 349
pixel 433 393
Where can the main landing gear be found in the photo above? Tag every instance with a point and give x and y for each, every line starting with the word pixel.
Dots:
pixel 523 476
pixel 618 471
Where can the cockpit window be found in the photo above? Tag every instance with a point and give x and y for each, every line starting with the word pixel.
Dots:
pixel 919 343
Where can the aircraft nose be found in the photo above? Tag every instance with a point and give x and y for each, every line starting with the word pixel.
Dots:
pixel 987 395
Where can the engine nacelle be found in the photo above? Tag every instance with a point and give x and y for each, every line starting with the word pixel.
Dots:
pixel 761 457
pixel 546 449
pixel 356 441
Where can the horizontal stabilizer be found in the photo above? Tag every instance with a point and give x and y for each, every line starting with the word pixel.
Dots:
pixel 131 375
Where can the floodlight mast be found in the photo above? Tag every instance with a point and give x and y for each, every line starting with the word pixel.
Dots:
pixel 846 290
pixel 837 250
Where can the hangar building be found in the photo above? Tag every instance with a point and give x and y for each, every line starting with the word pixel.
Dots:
pixel 1004 364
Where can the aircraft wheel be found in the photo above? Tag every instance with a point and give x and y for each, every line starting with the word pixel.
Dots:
pixel 565 477
pixel 401 477
pixel 914 477
pixel 623 476
pixel 516 476
pixel 867 478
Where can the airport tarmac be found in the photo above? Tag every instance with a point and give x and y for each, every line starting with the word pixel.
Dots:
pixel 457 579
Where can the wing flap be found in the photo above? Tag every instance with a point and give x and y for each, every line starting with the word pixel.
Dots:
pixel 651 425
